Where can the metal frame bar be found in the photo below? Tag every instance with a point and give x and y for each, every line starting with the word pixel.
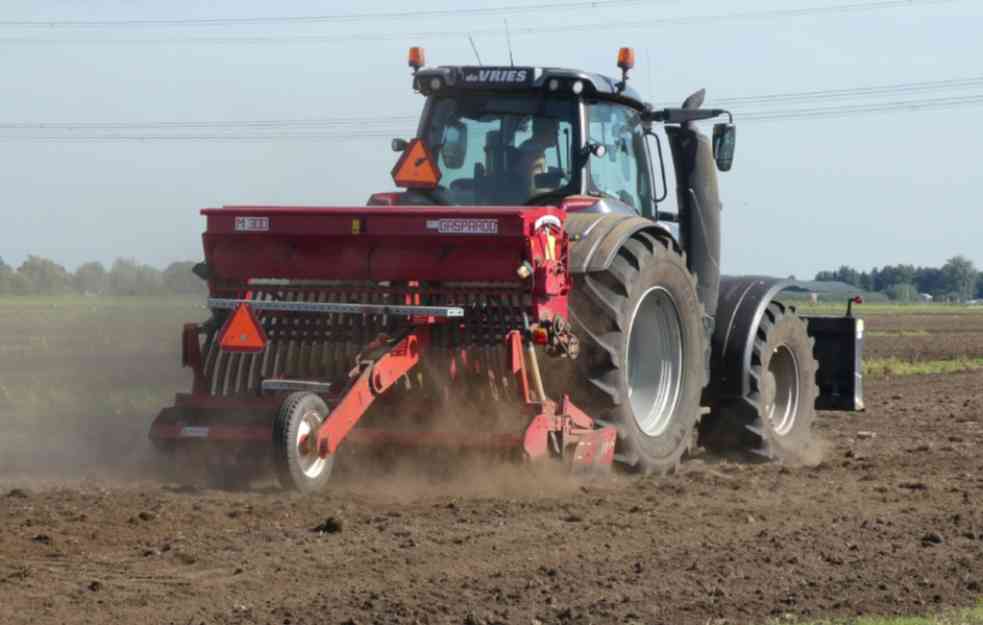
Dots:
pixel 272 385
pixel 344 309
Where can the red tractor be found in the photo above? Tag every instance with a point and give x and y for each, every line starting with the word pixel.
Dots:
pixel 526 285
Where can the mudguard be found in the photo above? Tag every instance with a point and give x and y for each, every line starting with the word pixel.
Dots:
pixel 597 238
pixel 839 345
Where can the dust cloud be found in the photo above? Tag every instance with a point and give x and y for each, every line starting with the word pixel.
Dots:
pixel 81 381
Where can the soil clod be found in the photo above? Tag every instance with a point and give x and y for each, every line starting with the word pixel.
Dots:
pixel 330 525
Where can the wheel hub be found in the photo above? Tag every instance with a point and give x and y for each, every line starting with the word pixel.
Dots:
pixel 782 395
pixel 311 463
pixel 655 360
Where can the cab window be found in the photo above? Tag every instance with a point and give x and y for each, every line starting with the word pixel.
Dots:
pixel 503 149
pixel 622 172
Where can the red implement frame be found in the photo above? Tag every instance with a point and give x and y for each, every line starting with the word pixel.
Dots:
pixel 562 425
pixel 374 379
pixel 552 429
pixel 500 245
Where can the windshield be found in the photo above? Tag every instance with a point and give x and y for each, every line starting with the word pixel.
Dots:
pixel 503 149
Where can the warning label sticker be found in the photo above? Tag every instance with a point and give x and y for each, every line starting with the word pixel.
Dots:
pixel 463 226
pixel 252 224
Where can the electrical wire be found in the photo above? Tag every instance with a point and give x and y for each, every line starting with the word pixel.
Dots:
pixel 633 24
pixel 213 125
pixel 752 116
pixel 836 94
pixel 857 109
pixel 320 19
pixel 380 124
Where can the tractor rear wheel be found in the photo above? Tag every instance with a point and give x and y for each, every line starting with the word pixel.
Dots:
pixel 303 470
pixel 775 419
pixel 640 324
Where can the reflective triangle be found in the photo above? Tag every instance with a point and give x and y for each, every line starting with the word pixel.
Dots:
pixel 242 332
pixel 416 168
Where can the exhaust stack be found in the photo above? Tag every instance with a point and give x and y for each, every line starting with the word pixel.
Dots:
pixel 699 209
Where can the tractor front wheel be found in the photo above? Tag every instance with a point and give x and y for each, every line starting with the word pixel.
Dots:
pixel 298 465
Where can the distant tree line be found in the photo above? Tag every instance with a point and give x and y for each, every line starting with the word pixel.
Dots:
pixel 955 281
pixel 41 276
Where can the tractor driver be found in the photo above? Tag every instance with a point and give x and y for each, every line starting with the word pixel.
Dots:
pixel 532 154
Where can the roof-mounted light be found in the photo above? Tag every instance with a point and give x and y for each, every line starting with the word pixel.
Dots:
pixel 417 58
pixel 626 61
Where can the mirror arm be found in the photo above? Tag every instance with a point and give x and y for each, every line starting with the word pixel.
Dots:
pixel 682 116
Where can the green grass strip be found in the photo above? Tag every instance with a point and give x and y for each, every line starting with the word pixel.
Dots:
pixel 871 309
pixel 891 367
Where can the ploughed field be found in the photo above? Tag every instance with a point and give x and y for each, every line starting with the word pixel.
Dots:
pixel 889 521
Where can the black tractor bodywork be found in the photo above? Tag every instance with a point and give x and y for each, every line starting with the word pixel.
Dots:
pixel 734 305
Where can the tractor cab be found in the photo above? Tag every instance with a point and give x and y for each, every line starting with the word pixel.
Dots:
pixel 536 136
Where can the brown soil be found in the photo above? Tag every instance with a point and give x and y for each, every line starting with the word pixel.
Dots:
pixel 938 337
pixel 886 524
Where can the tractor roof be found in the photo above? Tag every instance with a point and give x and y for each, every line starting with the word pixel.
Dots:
pixel 432 80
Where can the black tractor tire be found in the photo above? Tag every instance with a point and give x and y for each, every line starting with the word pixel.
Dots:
pixel 300 413
pixel 648 388
pixel 775 420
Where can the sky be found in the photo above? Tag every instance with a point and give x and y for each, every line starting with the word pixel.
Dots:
pixel 804 194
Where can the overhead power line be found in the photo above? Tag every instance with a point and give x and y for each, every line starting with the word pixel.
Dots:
pixel 633 24
pixel 514 9
pixel 837 94
pixel 750 116
pixel 215 125
pixel 383 123
pixel 857 109
pixel 211 138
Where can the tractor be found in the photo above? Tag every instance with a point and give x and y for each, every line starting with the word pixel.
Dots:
pixel 527 284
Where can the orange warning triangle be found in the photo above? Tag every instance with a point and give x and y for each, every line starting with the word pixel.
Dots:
pixel 416 168
pixel 242 332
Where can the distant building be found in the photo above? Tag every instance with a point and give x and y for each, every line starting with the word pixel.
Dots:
pixel 925 297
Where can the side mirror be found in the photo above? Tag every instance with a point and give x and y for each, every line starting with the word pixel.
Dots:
pixel 399 145
pixel 455 147
pixel 724 142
